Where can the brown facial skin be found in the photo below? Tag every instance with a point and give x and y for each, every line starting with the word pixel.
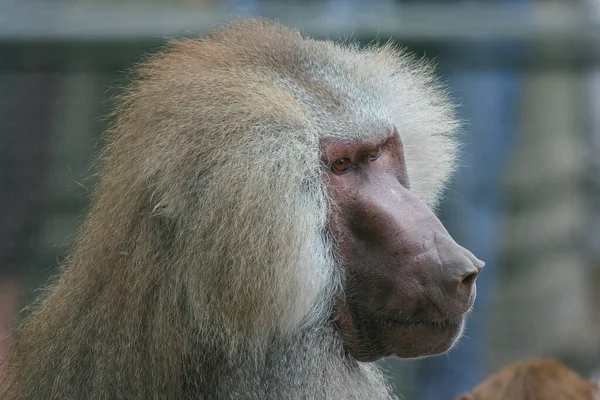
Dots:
pixel 535 380
pixel 408 284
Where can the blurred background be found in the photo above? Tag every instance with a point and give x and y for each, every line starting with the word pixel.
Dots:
pixel 526 198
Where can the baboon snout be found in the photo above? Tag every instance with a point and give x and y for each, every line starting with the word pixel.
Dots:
pixel 459 268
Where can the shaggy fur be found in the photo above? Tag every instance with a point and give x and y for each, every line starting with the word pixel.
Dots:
pixel 204 269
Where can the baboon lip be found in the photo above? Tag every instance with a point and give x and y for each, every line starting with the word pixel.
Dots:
pixel 446 322
pixel 440 323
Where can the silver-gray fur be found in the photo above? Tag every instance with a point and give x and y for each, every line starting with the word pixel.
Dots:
pixel 204 269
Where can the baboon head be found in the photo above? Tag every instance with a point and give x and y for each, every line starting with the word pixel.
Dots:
pixel 262 223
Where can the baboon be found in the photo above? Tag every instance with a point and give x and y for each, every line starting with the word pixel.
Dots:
pixel 255 233
pixel 539 379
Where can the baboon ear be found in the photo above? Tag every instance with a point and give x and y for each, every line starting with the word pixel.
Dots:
pixel 465 396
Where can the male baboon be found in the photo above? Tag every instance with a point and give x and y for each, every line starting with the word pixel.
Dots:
pixel 253 235
pixel 535 380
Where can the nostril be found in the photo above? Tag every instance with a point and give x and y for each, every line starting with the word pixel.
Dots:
pixel 469 279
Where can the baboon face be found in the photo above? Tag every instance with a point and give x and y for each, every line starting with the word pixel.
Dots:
pixel 408 284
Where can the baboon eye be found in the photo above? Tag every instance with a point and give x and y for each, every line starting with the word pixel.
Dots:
pixel 341 165
pixel 374 155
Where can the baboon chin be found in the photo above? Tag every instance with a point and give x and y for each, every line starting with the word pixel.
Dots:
pixel 261 230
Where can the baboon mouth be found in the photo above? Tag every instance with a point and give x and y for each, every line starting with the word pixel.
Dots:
pixel 421 337
pixel 434 323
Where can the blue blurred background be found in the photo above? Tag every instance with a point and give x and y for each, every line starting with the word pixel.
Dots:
pixel 526 198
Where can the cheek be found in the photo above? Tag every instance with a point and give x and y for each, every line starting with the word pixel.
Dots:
pixel 378 289
pixel 362 256
pixel 373 283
